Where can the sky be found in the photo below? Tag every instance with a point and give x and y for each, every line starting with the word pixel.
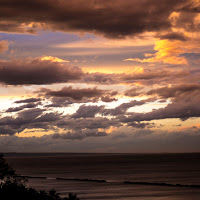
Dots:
pixel 110 76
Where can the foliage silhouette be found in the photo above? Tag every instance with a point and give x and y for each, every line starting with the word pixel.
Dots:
pixel 71 197
pixel 14 187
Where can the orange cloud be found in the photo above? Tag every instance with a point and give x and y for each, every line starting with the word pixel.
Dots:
pixel 166 52
pixel 53 59
pixel 3 46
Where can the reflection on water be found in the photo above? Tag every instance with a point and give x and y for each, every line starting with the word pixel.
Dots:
pixel 115 168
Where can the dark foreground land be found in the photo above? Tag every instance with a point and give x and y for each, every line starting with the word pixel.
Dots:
pixel 14 187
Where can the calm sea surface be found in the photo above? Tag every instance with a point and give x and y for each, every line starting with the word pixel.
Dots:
pixel 115 169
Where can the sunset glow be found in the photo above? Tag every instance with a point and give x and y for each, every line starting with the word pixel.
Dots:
pixel 100 72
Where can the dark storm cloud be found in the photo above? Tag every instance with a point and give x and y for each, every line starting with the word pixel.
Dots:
pixel 133 92
pixel 60 102
pixel 108 99
pixel 28 119
pixel 173 36
pixel 74 93
pixel 113 18
pixel 35 71
pixel 14 26
pixel 88 123
pixel 135 142
pixel 79 135
pixel 16 109
pixel 150 75
pixel 186 19
pixel 122 109
pixel 29 100
pixel 178 91
pixel 87 111
pixel 6 130
pixel 140 125
pixel 69 97
pixel 23 117
pixel 101 78
pixel 36 118
pixel 22 120
pixel 183 106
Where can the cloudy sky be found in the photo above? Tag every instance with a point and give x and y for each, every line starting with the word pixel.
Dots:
pixel 100 75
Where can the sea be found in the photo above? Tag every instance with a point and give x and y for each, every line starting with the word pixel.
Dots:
pixel 112 176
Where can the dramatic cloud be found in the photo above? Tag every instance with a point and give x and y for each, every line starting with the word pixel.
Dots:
pixel 78 135
pixel 132 102
pixel 133 92
pixel 107 99
pixel 179 91
pixel 121 109
pixel 74 93
pixel 54 59
pixel 60 102
pixel 166 52
pixel 173 36
pixel 150 74
pixel 16 109
pixel 28 119
pixel 30 100
pixel 36 71
pixel 135 141
pixel 185 105
pixel 87 111
pixel 101 78
pixel 110 18
pixel 87 123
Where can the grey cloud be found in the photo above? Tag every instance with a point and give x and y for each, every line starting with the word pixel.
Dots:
pixel 130 141
pixel 151 74
pixel 177 91
pixel 6 130
pixel 16 109
pixel 35 71
pixel 108 98
pixel 101 78
pixel 173 36
pixel 60 102
pixel 88 123
pixel 79 135
pixel 136 91
pixel 141 125
pixel 182 108
pixel 87 111
pixel 74 93
pixel 24 119
pixel 110 18
pixel 29 100
pixel 122 109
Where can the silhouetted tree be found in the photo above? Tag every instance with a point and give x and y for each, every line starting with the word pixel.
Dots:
pixel 6 171
pixel 71 197
pixel 54 194
pixel 14 187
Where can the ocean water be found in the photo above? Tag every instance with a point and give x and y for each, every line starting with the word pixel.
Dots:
pixel 183 169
